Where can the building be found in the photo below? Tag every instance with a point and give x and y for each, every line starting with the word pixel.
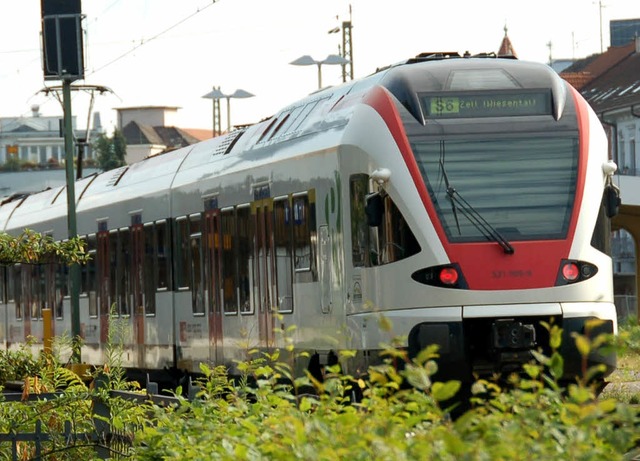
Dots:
pixel 610 82
pixel 150 130
pixel 623 31
pixel 37 141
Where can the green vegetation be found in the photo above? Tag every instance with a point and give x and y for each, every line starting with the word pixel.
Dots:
pixel 34 248
pixel 110 150
pixel 267 414
pixel 531 418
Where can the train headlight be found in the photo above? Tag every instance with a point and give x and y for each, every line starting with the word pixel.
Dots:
pixel 573 271
pixel 445 276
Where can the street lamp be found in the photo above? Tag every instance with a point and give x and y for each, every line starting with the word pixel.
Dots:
pixel 332 59
pixel 216 95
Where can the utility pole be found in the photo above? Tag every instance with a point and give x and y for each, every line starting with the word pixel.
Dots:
pixel 63 60
pixel 346 50
pixel 74 269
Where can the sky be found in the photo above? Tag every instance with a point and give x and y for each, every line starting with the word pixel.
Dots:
pixel 171 53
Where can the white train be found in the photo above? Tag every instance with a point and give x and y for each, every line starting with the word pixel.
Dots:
pixel 465 199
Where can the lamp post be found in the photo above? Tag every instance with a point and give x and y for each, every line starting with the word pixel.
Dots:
pixel 216 95
pixel 332 59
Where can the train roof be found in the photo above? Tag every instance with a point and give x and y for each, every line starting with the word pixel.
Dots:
pixel 323 111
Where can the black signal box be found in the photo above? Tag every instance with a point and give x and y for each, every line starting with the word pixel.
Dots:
pixel 62 44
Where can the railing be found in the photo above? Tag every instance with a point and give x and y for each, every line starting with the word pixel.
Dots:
pixel 103 439
pixel 626 306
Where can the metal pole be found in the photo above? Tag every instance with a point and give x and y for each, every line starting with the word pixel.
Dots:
pixel 74 269
pixel 319 75
pixel 228 114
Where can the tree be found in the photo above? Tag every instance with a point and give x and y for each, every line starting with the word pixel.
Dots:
pixel 111 150
pixel 34 248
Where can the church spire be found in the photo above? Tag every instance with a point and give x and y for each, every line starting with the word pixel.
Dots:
pixel 506 48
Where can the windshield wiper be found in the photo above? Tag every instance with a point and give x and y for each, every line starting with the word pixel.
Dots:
pixel 474 217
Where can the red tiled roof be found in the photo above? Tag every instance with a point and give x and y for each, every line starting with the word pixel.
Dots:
pixel 199 133
pixel 577 79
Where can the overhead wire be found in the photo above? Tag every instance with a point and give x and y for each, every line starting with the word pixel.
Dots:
pixel 144 41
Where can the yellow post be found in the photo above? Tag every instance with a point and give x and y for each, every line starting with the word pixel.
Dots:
pixel 47 330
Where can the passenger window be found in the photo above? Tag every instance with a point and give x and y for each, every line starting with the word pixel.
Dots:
pixel 358 190
pixel 163 252
pixel 244 248
pixel 303 225
pixel 379 231
pixel 227 242
pixel 182 267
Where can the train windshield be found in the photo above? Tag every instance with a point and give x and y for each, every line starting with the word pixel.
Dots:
pixel 522 187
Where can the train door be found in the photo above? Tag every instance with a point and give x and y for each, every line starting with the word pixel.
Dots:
pixel 137 284
pixel 265 285
pixel 283 249
pixel 213 271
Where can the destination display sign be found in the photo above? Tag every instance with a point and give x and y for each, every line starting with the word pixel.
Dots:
pixel 486 104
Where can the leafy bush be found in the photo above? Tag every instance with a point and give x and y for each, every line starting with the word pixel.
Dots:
pixel 531 418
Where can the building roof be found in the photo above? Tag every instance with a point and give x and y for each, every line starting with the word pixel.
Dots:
pixel 618 86
pixel 199 133
pixel 582 71
pixel 169 136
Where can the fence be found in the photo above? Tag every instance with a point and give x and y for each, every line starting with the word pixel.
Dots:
pixel 626 306
pixel 104 439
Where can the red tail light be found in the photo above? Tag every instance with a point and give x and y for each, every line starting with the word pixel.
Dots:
pixel 449 275
pixel 570 271
pixel 573 271
pixel 444 276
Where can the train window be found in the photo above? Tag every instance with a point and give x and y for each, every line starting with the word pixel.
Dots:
pixel 163 254
pixel 16 286
pixel 183 266
pixel 283 242
pixel 197 267
pixel 227 242
pixel 38 290
pixel 244 249
pixel 360 246
pixel 388 240
pixel 303 226
pixel 395 239
pixel 10 290
pixel 89 276
pixel 211 251
pixel 104 261
pixel 523 186
pixel 124 288
pixel 60 282
pixel 149 269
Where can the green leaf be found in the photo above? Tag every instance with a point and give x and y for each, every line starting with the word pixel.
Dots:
pixel 582 344
pixel 556 365
pixel 445 391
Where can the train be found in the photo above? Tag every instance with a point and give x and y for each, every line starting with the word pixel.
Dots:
pixel 456 200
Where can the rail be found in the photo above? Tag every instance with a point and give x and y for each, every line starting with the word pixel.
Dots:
pixel 104 439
